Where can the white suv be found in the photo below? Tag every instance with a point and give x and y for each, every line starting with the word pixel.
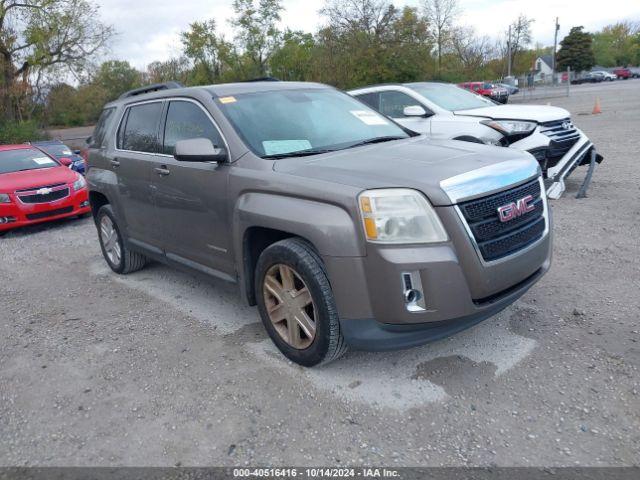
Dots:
pixel 445 111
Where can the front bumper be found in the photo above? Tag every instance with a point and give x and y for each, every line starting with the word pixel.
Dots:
pixel 17 214
pixel 560 168
pixel 459 289
pixel 371 335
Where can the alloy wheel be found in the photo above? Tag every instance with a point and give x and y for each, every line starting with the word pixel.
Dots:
pixel 289 306
pixel 109 237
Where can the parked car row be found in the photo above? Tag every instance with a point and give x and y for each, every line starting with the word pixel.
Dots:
pixel 497 93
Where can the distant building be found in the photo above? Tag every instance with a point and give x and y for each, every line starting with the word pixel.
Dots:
pixel 543 71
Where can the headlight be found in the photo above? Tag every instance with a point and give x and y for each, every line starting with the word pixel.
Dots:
pixel 511 128
pixel 4 198
pixel 399 215
pixel 80 183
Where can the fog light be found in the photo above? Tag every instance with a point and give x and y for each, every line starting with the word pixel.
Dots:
pixel 412 292
pixel 7 220
pixel 84 204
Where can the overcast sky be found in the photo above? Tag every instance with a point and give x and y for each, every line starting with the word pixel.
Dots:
pixel 149 30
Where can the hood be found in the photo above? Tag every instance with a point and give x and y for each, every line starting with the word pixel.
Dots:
pixel 10 182
pixel 419 163
pixel 537 113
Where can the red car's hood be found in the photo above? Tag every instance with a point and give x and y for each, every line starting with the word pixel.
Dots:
pixel 10 182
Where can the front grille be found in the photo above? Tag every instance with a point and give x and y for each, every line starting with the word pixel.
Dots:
pixel 45 198
pixel 563 136
pixel 496 239
pixel 50 213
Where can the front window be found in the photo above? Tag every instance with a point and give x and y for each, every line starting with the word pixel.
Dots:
pixel 24 159
pixel 186 120
pixel 284 122
pixel 451 97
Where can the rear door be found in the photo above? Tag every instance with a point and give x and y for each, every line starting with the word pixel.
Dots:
pixel 132 160
pixel 191 197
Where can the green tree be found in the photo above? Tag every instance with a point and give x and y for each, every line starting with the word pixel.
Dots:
pixel 116 77
pixel 617 44
pixel 292 60
pixel 576 51
pixel 211 55
pixel 257 34
pixel 40 34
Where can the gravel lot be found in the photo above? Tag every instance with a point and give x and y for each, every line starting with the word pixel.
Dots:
pixel 158 368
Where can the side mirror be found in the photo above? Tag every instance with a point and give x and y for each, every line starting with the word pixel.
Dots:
pixel 77 152
pixel 65 161
pixel 199 150
pixel 414 111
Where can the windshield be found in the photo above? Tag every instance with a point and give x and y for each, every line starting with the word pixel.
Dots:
pixel 451 97
pixel 24 159
pixel 56 149
pixel 284 122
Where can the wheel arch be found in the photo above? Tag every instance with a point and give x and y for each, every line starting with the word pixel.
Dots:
pixel 262 219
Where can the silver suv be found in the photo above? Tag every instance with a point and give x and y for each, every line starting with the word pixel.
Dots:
pixel 345 228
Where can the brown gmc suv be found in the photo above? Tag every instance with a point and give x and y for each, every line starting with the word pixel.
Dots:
pixel 343 227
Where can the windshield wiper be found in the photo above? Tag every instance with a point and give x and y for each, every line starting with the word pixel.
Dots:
pixel 299 153
pixel 376 140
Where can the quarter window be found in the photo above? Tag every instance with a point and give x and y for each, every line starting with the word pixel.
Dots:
pixel 393 103
pixel 97 139
pixel 186 120
pixel 139 129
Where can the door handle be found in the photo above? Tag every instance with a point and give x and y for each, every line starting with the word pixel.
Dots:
pixel 163 171
pixel 115 163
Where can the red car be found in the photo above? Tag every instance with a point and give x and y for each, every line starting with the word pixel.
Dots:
pixel 623 73
pixel 497 94
pixel 36 188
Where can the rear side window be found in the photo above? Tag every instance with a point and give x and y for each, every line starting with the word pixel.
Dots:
pixel 139 128
pixel 186 120
pixel 100 132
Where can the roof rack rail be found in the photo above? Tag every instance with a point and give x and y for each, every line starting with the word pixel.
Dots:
pixel 262 79
pixel 156 87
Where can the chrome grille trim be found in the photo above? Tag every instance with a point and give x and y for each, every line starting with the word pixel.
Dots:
pixel 545 233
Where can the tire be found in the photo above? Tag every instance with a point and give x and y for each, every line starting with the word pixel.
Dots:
pixel 297 255
pixel 126 261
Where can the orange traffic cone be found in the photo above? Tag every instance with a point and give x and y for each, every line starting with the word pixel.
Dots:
pixel 596 108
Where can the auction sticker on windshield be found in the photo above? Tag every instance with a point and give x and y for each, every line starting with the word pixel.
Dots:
pixel 369 118
pixel 276 147
pixel 44 161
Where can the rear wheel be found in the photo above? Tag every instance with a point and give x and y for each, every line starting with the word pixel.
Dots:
pixel 296 303
pixel 119 258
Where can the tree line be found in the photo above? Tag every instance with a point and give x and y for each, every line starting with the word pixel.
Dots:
pixel 361 42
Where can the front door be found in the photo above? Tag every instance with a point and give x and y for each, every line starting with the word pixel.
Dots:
pixel 190 197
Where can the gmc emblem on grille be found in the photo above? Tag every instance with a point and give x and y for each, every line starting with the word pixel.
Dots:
pixel 516 209
pixel 44 191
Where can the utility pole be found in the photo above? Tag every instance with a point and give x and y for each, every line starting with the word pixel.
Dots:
pixel 509 53
pixel 553 56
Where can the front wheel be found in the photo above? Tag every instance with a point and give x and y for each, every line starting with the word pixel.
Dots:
pixel 296 303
